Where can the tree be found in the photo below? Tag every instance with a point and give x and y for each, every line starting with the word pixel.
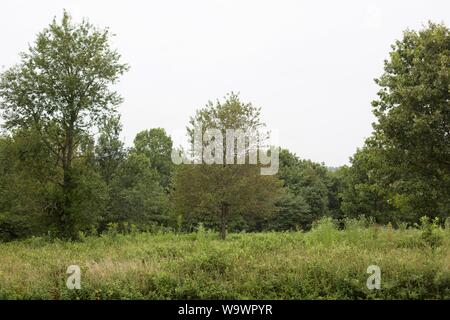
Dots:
pixel 136 196
pixel 25 185
pixel 413 128
pixel 335 186
pixel 156 145
pixel 30 188
pixel 402 172
pixel 221 194
pixel 109 151
pixel 308 194
pixel 366 186
pixel 61 89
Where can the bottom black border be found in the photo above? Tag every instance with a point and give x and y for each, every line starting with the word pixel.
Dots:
pixel 241 309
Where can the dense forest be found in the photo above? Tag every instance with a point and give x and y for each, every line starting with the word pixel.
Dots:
pixel 65 173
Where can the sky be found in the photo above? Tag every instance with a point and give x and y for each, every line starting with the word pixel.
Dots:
pixel 309 65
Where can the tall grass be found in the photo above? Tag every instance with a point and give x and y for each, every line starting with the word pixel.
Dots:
pixel 324 263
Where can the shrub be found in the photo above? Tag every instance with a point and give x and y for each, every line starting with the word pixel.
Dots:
pixel 431 232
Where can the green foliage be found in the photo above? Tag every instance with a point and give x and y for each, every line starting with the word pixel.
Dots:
pixel 27 186
pixel 109 150
pixel 366 189
pixel 293 213
pixel 309 193
pixel 88 199
pixel 324 231
pixel 431 234
pixel 156 145
pixel 57 181
pixel 403 171
pixel 136 196
pixel 225 195
pixel 61 90
pixel 274 265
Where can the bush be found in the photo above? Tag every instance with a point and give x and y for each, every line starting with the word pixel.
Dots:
pixel 431 232
pixel 325 263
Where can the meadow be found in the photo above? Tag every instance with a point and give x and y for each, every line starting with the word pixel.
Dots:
pixel 324 263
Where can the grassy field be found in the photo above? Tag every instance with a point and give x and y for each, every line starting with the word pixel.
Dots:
pixel 324 263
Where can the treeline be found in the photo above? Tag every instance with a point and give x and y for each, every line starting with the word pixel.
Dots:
pixel 139 187
pixel 64 170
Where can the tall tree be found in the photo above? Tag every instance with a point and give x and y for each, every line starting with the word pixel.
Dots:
pixel 62 88
pixel 221 193
pixel 413 128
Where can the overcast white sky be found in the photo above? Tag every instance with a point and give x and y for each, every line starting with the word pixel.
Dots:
pixel 310 65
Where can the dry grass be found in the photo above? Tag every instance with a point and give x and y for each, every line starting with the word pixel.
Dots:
pixel 322 264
